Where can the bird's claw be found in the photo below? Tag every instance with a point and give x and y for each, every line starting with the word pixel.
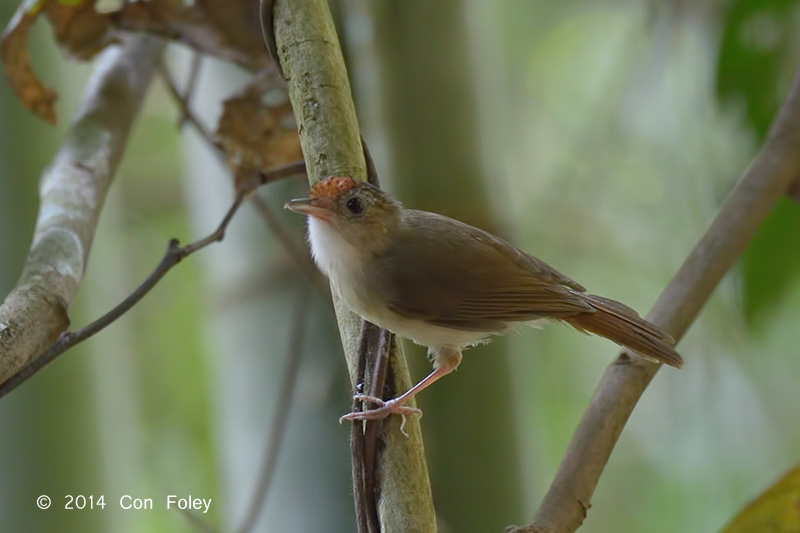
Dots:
pixel 384 409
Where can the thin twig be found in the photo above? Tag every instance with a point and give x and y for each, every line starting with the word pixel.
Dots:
pixel 278 429
pixel 191 85
pixel 301 258
pixel 186 115
pixel 297 168
pixel 774 169
pixel 360 496
pixel 373 350
pixel 286 171
pixel 379 371
pixel 296 336
pixel 174 255
pixel 72 193
pixel 267 16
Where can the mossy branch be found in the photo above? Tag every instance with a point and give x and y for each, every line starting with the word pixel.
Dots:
pixel 311 59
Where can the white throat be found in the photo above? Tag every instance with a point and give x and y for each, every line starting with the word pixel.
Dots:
pixel 336 257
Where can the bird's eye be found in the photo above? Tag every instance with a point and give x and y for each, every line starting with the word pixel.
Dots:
pixel 355 206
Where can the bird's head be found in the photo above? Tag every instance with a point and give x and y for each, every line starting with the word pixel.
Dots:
pixel 362 214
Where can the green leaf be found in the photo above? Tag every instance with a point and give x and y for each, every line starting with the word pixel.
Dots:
pixel 777 510
pixel 754 67
pixel 756 41
pixel 772 261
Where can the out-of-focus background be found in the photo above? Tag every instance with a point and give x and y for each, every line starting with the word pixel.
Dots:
pixel 600 136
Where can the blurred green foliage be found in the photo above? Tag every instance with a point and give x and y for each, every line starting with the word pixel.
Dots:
pixel 603 138
pixel 755 49
pixel 754 70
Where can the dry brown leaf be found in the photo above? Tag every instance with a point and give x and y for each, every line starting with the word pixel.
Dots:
pixel 33 94
pixel 257 129
pixel 240 22
pixel 228 29
pixel 777 510
pixel 78 28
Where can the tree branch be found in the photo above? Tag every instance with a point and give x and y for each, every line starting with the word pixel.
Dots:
pixel 186 114
pixel 191 85
pixel 774 169
pixel 372 351
pixel 174 255
pixel 300 257
pixel 72 193
pixel 310 58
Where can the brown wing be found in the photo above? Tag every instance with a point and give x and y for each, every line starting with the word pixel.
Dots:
pixel 461 277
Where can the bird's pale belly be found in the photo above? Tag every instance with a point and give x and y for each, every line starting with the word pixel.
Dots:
pixel 347 277
pixel 419 331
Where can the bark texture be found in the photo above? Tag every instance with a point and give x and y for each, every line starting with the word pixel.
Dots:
pixel 311 59
pixel 72 191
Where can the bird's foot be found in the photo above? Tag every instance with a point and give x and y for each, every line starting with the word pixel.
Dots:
pixel 384 409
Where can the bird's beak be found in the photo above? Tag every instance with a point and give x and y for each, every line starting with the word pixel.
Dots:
pixel 314 207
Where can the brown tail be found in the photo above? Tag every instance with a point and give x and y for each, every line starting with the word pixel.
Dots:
pixel 621 324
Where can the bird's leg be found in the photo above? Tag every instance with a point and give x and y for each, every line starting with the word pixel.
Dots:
pixel 445 361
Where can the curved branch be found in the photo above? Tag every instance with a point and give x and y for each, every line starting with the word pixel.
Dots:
pixel 774 169
pixel 174 255
pixel 72 192
pixel 302 260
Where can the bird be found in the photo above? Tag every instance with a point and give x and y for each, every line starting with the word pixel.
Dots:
pixel 447 285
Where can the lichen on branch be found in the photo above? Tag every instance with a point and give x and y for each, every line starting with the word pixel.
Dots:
pixel 72 191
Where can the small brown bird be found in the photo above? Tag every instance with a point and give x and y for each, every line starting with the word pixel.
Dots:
pixel 447 285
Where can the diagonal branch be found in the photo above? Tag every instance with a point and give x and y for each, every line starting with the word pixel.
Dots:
pixel 191 85
pixel 302 36
pixel 186 114
pixel 72 193
pixel 302 259
pixel 774 169
pixel 174 255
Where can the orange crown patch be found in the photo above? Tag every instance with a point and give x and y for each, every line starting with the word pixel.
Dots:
pixel 332 186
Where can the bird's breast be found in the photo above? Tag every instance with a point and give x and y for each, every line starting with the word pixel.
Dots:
pixel 357 285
